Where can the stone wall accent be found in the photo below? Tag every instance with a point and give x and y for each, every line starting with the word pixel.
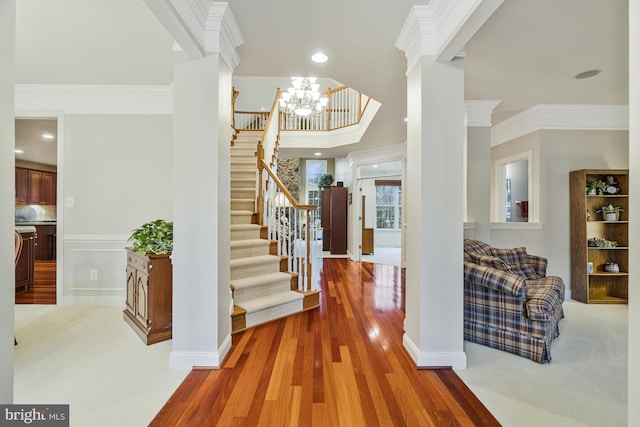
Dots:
pixel 289 174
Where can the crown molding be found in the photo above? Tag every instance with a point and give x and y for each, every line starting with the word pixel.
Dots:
pixel 442 28
pixel 95 99
pixel 562 117
pixel 479 112
pixel 201 27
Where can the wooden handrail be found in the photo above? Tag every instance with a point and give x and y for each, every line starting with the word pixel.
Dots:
pixel 294 203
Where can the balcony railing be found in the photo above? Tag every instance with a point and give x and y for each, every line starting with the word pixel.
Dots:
pixel 345 108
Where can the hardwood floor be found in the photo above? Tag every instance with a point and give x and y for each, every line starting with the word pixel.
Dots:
pixel 43 290
pixel 340 365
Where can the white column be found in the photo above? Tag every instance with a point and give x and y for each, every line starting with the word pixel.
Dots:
pixel 634 206
pixel 201 162
pixel 478 170
pixel 7 195
pixel 208 37
pixel 431 37
pixel 434 188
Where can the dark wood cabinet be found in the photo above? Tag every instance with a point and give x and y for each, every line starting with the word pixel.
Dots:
pixel 149 296
pixel 22 186
pixel 35 187
pixel 24 267
pixel 44 242
pixel 334 220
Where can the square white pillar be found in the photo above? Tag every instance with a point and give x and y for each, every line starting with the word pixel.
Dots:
pixel 434 194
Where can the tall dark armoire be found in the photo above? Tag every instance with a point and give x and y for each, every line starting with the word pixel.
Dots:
pixel 334 220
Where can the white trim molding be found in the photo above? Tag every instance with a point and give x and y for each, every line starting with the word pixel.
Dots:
pixel 479 112
pixel 200 27
pixel 95 99
pixel 442 28
pixel 561 116
pixel 434 359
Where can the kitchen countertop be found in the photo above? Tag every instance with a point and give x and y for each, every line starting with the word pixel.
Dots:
pixel 25 228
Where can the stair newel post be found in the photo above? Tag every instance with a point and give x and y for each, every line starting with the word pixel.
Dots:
pixel 260 201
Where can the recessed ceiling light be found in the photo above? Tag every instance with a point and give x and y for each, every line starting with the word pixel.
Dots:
pixel 319 57
pixel 18 151
pixel 47 136
pixel 375 166
pixel 586 74
pixel 317 154
pixel 406 119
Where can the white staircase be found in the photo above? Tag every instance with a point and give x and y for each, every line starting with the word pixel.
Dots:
pixel 262 289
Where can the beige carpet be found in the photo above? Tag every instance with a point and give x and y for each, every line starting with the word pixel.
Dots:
pixel 584 385
pixel 90 359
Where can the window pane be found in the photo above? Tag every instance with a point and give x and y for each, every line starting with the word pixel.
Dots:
pixel 385 217
pixel 385 195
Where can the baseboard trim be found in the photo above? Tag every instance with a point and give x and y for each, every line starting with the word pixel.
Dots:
pixel 434 359
pixel 199 359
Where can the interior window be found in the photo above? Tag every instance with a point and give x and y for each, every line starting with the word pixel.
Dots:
pixel 513 189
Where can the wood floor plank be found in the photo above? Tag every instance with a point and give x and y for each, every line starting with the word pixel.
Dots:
pixel 342 364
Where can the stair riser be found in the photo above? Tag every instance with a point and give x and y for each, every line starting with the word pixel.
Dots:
pixel 249 182
pixel 255 269
pixel 243 205
pixel 272 313
pixel 245 234
pixel 249 252
pixel 243 174
pixel 244 294
pixel 241 219
pixel 243 151
pixel 243 193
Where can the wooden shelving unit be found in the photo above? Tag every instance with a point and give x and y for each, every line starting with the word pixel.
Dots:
pixel 599 287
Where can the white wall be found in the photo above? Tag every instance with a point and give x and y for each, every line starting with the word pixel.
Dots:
pixel 117 170
pixel 479 180
pixel 7 190
pixel 562 151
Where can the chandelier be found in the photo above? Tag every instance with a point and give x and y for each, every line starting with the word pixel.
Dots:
pixel 303 98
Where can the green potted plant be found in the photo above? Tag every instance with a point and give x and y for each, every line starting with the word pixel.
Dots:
pixel 596 187
pixel 154 237
pixel 325 180
pixel 610 212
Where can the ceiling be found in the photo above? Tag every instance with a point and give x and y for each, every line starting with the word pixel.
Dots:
pixel 527 53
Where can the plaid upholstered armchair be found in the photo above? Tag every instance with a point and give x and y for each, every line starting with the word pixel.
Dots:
pixel 509 302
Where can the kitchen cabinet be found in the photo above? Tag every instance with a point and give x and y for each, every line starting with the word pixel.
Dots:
pixel 25 265
pixel 35 187
pixel 149 296
pixel 22 186
pixel 598 284
pixel 45 242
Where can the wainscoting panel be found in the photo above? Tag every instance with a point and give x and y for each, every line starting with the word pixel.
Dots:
pixel 94 270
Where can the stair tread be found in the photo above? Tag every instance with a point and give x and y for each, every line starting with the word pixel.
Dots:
pixel 247 282
pixel 254 260
pixel 273 300
pixel 249 242
pixel 237 227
